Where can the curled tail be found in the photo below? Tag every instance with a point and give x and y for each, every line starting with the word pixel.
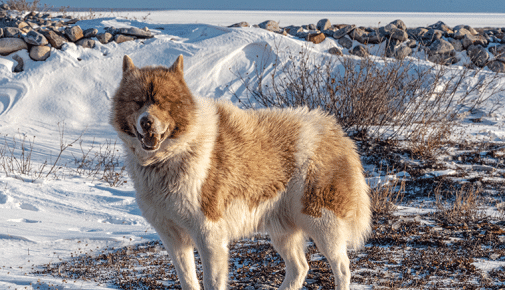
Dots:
pixel 359 223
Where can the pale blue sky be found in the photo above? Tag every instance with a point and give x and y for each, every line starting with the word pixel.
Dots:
pixel 472 6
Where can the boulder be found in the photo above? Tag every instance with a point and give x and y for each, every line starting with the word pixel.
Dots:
pixel 497 49
pixel 91 32
pixel 473 40
pixel 20 66
pixel 496 66
pixel 323 24
pixel 478 55
pixel 12 32
pixel 56 40
pixel 240 24
pixel 391 45
pixel 444 59
pixel 402 51
pixel 399 24
pixel 1 32
pixel 467 27
pixel 9 45
pixel 311 26
pixel 440 46
pixel 335 50
pixel 5 6
pixel 137 32
pixel 343 31
pixel 123 38
pixel 458 46
pixel 40 53
pixel 399 34
pixel 441 26
pixel 412 43
pixel 104 38
pixel 345 42
pixel 316 37
pixel 460 34
pixel 269 25
pixel 360 50
pixel 86 42
pixel 74 33
pixel 417 33
pixel 359 34
pixel 35 38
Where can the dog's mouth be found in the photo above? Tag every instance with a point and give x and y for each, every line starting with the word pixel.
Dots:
pixel 151 141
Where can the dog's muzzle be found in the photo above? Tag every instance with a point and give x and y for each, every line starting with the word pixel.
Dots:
pixel 150 139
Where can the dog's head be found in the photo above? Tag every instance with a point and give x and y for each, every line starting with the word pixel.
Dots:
pixel 151 106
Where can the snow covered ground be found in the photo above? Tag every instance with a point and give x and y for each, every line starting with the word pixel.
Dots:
pixel 64 215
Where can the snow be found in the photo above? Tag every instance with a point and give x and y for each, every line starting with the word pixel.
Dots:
pixel 53 218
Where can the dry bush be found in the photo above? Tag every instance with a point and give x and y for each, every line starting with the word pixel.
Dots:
pixel 23 5
pixel 378 97
pixel 464 206
pixel 386 195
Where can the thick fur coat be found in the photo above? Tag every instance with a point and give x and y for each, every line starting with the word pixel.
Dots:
pixel 207 172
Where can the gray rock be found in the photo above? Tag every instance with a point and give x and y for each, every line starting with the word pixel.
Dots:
pixel 440 46
pixel 467 27
pixel 344 31
pixel 391 45
pixel 316 37
pixel 9 45
pixel 56 40
pixel 137 32
pixel 478 55
pixel 345 42
pixel 4 6
pixel 72 21
pixel 104 38
pixel 399 34
pixel 441 26
pixel 269 25
pixel 20 66
pixel 21 24
pixel 469 40
pixel 240 24
pixel 74 33
pixel 444 59
pixel 86 42
pixel 417 33
pixel 497 49
pixel 360 50
pixel 359 34
pixel 12 32
pixel 335 50
pixel 323 24
pixel 458 46
pixel 402 52
pixel 496 66
pixel 1 32
pixel 35 38
pixel 460 33
pixel 40 53
pixel 119 38
pixel 91 32
pixel 388 29
pixel 399 24
pixel 412 43
pixel 311 26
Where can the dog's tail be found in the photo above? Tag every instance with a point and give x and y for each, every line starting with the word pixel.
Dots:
pixel 359 223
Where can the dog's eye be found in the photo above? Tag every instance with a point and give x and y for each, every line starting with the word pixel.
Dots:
pixel 139 103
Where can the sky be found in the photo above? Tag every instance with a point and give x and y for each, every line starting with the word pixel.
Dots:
pixel 471 6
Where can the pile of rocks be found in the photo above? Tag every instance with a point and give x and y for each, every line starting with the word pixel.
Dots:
pixel 484 46
pixel 38 32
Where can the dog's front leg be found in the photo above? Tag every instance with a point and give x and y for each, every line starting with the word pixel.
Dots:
pixel 213 250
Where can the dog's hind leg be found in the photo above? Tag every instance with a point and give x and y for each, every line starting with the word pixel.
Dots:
pixel 213 250
pixel 291 246
pixel 181 250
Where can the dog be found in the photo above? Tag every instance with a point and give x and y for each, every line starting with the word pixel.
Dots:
pixel 207 172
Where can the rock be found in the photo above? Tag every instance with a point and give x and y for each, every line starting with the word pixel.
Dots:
pixel 391 45
pixel 136 32
pixel 86 42
pixel 474 40
pixel 269 25
pixel 35 38
pixel 417 33
pixel 345 42
pixel 72 21
pixel 22 24
pixel 56 40
pixel 460 34
pixel 402 52
pixel 440 46
pixel 399 34
pixel 497 49
pixel 74 33
pixel 399 24
pixel 311 26
pixel 359 50
pixel 412 43
pixel 335 50
pixel 467 27
pixel 40 53
pixel 478 55
pixel 441 26
pixel 123 38
pixel 458 46
pixel 91 32
pixel 444 59
pixel 4 6
pixel 323 24
pixel 20 66
pixel 359 34
pixel 431 36
pixel 316 37
pixel 344 31
pixel 9 45
pixel 496 66
pixel 104 38
pixel 12 32
pixel 1 32
pixel 240 24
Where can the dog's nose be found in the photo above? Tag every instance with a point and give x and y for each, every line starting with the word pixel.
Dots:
pixel 146 122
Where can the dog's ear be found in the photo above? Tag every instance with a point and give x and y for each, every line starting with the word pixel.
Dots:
pixel 178 65
pixel 127 63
